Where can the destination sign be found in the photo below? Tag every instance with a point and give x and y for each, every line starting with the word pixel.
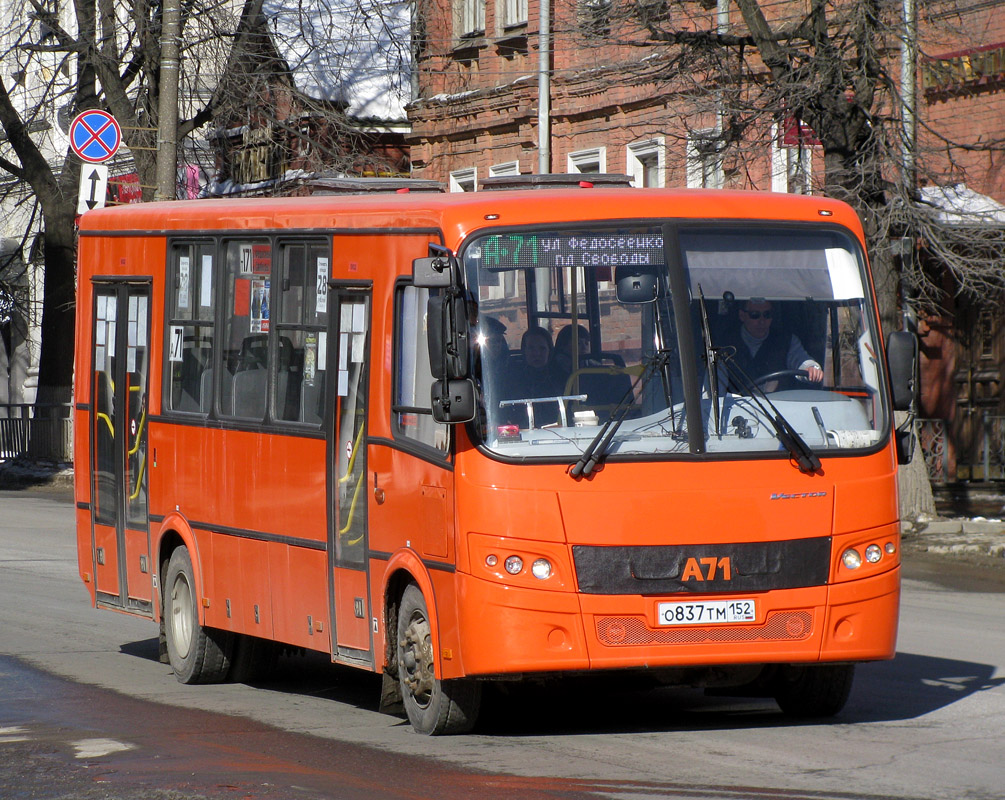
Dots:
pixel 568 249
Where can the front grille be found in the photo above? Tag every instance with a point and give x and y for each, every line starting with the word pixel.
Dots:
pixel 780 626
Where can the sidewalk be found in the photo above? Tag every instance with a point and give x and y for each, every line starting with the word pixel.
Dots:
pixel 957 536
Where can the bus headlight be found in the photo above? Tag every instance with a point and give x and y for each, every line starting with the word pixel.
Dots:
pixel 851 558
pixel 873 553
pixel 541 569
pixel 514 565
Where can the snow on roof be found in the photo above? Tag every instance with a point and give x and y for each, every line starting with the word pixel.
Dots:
pixel 960 205
pixel 356 52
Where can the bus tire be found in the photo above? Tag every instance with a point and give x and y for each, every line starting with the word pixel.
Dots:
pixel 196 654
pixel 433 706
pixel 254 659
pixel 814 691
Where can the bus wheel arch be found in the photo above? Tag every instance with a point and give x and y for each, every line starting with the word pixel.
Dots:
pixel 196 653
pixel 433 705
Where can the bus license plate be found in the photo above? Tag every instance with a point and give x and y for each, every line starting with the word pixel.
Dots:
pixel 706 612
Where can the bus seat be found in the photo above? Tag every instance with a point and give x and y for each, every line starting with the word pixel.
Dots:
pixel 250 386
pixel 312 399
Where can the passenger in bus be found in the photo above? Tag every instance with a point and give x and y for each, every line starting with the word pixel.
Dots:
pixel 759 350
pixel 564 362
pixel 533 375
pixel 600 376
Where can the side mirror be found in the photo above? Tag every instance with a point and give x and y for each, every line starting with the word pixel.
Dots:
pixel 905 440
pixel 434 272
pixel 447 335
pixel 453 401
pixel 902 360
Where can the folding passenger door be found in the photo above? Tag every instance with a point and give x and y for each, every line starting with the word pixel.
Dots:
pixel 348 573
pixel 118 437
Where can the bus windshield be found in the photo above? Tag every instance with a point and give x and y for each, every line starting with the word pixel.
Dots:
pixel 575 328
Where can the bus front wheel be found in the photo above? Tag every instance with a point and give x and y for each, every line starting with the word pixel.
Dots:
pixel 433 706
pixel 813 691
pixel 196 654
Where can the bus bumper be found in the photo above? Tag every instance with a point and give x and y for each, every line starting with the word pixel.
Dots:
pixel 505 629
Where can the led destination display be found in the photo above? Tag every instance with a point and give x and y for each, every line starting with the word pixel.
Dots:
pixel 554 249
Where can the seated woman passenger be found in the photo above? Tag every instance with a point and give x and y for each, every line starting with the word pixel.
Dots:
pixel 563 349
pixel 535 376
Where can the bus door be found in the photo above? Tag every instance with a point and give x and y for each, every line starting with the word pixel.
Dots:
pixel 119 369
pixel 348 574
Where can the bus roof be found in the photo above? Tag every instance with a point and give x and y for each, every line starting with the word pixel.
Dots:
pixel 458 214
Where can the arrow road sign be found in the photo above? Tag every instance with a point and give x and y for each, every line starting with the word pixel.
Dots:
pixel 94 136
pixel 93 185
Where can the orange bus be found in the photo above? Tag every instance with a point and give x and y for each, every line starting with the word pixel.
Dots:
pixel 461 438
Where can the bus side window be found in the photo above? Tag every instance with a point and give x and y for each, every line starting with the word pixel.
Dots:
pixel 302 323
pixel 412 415
pixel 191 328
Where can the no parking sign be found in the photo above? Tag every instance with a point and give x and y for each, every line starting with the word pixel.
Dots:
pixel 95 136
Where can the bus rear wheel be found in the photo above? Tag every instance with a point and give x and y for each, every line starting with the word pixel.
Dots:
pixel 813 691
pixel 433 706
pixel 196 654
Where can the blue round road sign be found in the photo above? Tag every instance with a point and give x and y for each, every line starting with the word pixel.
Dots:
pixel 95 136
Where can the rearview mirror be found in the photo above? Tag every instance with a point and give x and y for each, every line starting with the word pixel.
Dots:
pixel 453 401
pixel 902 360
pixel 434 272
pixel 636 285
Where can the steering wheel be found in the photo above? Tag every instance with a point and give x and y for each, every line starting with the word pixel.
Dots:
pixel 784 373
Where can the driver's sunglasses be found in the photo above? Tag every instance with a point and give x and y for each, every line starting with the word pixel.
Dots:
pixel 758 314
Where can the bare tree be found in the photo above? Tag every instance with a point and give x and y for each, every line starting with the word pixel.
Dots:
pixel 236 62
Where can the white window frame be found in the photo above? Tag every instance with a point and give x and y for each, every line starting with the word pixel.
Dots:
pixel 460 179
pixel 506 168
pixel 470 17
pixel 575 162
pixel 636 156
pixel 791 166
pixel 704 171
pixel 514 12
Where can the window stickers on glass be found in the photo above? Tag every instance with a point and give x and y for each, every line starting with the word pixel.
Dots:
pixel 184 270
pixel 206 290
pixel 259 306
pixel 321 305
pixel 176 341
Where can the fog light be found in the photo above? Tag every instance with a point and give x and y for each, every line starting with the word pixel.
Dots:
pixel 514 564
pixel 873 553
pixel 491 560
pixel 890 548
pixel 851 558
pixel 541 569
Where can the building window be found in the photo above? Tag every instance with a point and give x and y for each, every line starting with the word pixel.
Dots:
pixel 470 17
pixel 464 180
pixel 588 161
pixel 791 162
pixel 646 163
pixel 704 161
pixel 514 13
pixel 508 168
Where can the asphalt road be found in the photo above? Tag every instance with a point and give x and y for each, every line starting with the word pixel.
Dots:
pixel 87 711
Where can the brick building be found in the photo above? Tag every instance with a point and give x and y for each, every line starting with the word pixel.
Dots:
pixel 616 102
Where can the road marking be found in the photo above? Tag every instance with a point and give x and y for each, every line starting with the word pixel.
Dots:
pixel 13 734
pixel 96 748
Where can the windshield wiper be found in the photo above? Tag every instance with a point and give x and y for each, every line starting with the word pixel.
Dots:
pixel 597 449
pixel 710 361
pixel 806 458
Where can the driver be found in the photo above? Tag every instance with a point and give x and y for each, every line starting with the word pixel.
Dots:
pixel 760 351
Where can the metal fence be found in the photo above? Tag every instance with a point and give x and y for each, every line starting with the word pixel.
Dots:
pixel 982 461
pixel 43 431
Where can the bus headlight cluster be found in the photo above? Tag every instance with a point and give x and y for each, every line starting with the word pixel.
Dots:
pixel 852 558
pixel 514 565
